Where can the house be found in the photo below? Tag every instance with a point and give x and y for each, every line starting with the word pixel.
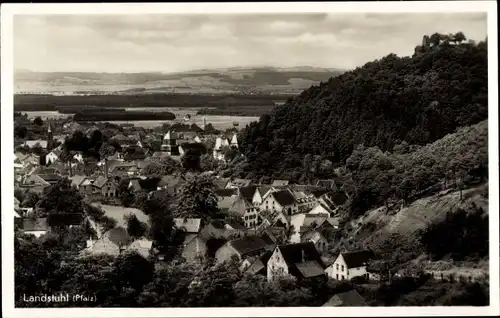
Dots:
pixel 113 242
pixel 77 180
pixel 327 184
pixel 282 201
pixel 141 246
pixel 221 183
pixel 245 210
pixel 34 183
pixel 269 218
pixel 53 156
pixel 319 240
pixel 347 299
pixel 350 264
pixel 51 178
pixel 225 203
pixel 305 200
pixel 279 183
pixel 303 223
pixel 241 248
pixel 220 144
pixel 238 183
pixel 35 226
pixel 222 193
pixel 300 260
pixel 259 193
pixel 147 184
pixel 121 168
pixel 172 183
pixel 377 270
pixel 256 265
pixel 105 186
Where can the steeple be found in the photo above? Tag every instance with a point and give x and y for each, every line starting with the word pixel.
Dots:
pixel 50 141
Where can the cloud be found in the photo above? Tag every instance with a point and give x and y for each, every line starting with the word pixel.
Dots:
pixel 161 42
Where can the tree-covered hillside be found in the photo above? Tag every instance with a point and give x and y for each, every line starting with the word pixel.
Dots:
pixel 416 99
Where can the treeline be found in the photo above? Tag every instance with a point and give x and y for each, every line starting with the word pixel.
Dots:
pixel 416 99
pixel 82 109
pixel 51 102
pixel 122 115
pixel 256 111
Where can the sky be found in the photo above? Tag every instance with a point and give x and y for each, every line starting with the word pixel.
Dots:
pixel 173 43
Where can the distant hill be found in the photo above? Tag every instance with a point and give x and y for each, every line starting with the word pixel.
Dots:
pixel 229 80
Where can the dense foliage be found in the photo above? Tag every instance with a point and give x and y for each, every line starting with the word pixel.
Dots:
pixel 416 99
pixel 462 234
pixel 123 115
pixel 52 102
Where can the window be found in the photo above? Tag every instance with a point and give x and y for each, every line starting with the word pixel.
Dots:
pixel 337 265
pixel 343 277
pixel 337 276
pixel 342 268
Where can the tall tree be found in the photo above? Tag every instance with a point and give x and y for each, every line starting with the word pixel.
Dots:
pixel 197 198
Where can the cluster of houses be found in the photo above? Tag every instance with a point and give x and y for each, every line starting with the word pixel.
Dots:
pixel 271 229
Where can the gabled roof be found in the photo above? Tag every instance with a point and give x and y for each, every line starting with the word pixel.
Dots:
pixel 134 184
pixel 328 184
pixel 263 189
pixel 225 192
pixel 248 244
pixel 259 263
pixel 284 197
pixel 77 180
pixel 348 299
pixel 357 258
pixel 226 203
pixel 100 181
pixel 141 246
pixel 35 180
pixel 312 236
pixel 221 182
pixel 190 225
pixel 240 206
pixel 248 192
pixel 56 152
pixel 241 182
pixel 50 177
pixel 35 224
pixel 310 269
pixel 299 253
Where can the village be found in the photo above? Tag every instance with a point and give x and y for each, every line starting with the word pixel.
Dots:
pixel 271 229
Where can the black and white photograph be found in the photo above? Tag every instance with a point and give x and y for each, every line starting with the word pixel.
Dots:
pixel 254 155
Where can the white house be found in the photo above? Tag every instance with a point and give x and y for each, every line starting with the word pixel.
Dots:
pixel 260 192
pixel 282 201
pixel 350 264
pixel 52 156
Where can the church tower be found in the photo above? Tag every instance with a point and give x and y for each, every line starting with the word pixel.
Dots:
pixel 50 138
pixel 170 144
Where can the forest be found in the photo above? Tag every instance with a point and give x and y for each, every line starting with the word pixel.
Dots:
pixel 121 115
pixel 417 100
pixel 51 102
